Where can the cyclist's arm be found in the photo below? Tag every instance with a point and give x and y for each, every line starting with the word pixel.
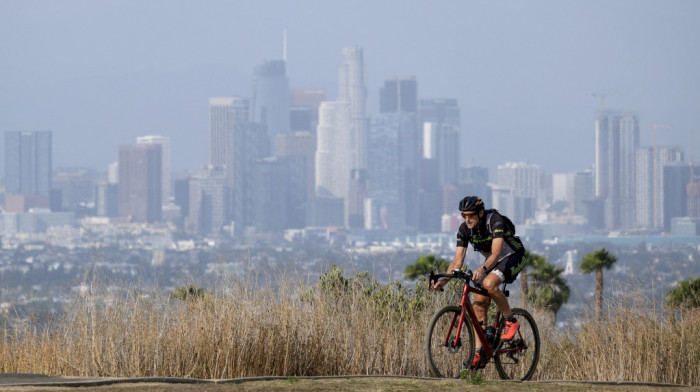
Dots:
pixel 456 263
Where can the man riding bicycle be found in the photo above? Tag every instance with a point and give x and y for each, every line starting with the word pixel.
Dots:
pixel 493 236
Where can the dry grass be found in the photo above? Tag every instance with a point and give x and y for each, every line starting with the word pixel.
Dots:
pixel 360 327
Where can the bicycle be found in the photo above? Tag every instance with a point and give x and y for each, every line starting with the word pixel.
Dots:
pixel 449 341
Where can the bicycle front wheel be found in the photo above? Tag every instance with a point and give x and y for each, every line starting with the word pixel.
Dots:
pixel 516 359
pixel 447 354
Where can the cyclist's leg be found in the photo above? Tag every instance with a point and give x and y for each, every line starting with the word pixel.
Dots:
pixel 491 283
pixel 481 306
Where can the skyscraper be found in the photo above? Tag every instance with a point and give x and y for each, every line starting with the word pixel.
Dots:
pixel 649 194
pixel 351 89
pixel 208 202
pixel 27 170
pixel 523 180
pixel 676 179
pixel 616 143
pixel 107 200
pixel 235 144
pixel 391 168
pixel 438 138
pixel 140 182
pixel 279 189
pixel 473 180
pixel 441 142
pixel 303 113
pixel 583 191
pixel 164 142
pixel 300 143
pixel 333 151
pixel 224 115
pixel 399 94
pixel 441 110
pixel 270 102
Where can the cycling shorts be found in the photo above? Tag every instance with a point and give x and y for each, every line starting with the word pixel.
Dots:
pixel 509 267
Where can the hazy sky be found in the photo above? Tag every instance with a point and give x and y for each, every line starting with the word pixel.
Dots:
pixel 100 73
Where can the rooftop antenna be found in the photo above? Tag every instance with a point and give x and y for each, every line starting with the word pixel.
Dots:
pixel 284 45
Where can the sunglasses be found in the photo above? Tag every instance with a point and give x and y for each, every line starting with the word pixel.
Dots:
pixel 466 215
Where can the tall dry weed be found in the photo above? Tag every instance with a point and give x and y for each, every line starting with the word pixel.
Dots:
pixel 342 325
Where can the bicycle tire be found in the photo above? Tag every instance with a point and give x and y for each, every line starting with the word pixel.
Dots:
pixel 521 364
pixel 448 360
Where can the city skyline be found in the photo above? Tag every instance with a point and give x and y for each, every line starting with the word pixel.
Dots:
pixel 532 75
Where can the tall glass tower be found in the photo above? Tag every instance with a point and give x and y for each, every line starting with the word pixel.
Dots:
pixel 270 102
pixel 140 181
pixel 616 143
pixel 28 162
pixel 351 89
pixel 164 143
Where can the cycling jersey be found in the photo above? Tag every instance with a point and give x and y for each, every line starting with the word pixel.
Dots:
pixel 481 237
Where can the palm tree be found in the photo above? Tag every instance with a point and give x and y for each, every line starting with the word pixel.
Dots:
pixel 686 294
pixel 424 265
pixel 529 260
pixel 596 261
pixel 548 289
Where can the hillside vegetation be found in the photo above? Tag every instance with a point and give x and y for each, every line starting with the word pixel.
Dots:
pixel 339 326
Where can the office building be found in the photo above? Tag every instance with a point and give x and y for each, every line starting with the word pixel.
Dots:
pixel 235 144
pixel 438 138
pixel 270 99
pixel 181 195
pixel 28 165
pixel 303 144
pixel 616 143
pixel 164 143
pixel 441 142
pixel 473 180
pixel 522 177
pixel 399 94
pixel 280 195
pixel 208 201
pixel 351 89
pixel 392 168
pixel 357 194
pixel 440 110
pixel 107 200
pixel 333 150
pixel 303 112
pixel 328 211
pixel 140 182
pixel 583 191
pixel 430 206
pixel 649 177
pixel 676 178
pixel 77 189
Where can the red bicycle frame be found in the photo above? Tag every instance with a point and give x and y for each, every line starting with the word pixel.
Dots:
pixel 466 305
pixel 487 349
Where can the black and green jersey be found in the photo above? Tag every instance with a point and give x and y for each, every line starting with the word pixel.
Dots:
pixel 492 226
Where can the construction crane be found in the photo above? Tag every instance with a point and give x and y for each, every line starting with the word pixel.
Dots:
pixel 603 95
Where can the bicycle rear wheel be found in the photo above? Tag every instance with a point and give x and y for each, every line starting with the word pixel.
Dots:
pixel 517 358
pixel 446 353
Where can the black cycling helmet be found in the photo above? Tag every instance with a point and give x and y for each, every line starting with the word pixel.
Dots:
pixel 471 203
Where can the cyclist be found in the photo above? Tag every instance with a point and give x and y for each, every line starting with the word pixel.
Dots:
pixel 493 235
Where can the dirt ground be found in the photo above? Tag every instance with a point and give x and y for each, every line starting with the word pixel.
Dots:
pixel 363 384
